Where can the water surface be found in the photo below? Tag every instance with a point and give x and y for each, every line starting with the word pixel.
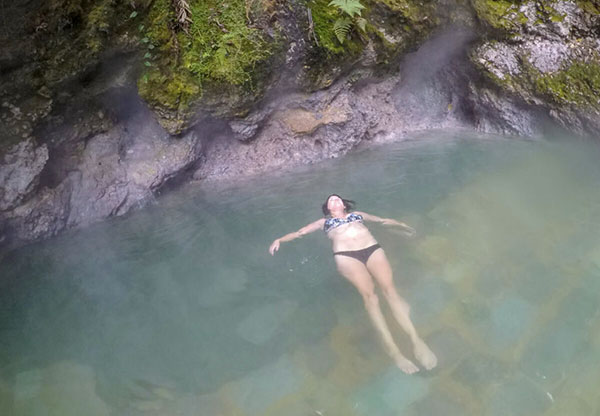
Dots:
pixel 179 309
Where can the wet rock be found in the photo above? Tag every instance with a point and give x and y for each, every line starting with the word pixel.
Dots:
pixel 547 59
pixel 20 168
pixel 529 63
pixel 42 216
pixel 116 171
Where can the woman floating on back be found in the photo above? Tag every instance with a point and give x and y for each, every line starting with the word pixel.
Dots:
pixel 360 259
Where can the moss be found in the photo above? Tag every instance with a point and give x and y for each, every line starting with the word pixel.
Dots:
pixel 578 84
pixel 405 21
pixel 173 91
pixel 324 17
pixel 412 11
pixel 98 24
pixel 591 7
pixel 70 34
pixel 547 13
pixel 500 14
pixel 220 50
pixel 326 60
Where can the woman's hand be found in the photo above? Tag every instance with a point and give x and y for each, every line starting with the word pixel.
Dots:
pixel 274 247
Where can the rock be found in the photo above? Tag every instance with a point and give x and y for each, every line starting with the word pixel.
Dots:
pixel 549 59
pixel 115 172
pixel 530 62
pixel 20 168
pixel 301 121
pixel 64 388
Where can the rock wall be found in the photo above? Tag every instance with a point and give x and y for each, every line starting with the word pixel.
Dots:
pixel 106 102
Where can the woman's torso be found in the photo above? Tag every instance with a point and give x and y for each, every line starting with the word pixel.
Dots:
pixel 353 235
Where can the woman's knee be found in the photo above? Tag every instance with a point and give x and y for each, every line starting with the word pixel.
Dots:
pixel 392 295
pixel 389 291
pixel 370 299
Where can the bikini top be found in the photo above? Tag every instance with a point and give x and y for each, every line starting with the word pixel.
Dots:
pixel 331 223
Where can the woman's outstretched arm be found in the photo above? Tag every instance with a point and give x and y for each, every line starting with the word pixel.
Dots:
pixel 385 221
pixel 313 226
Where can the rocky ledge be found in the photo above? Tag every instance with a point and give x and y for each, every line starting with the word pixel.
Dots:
pixel 90 140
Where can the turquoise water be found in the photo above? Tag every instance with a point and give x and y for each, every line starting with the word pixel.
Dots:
pixel 178 309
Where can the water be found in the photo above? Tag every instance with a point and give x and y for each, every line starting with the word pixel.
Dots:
pixel 178 309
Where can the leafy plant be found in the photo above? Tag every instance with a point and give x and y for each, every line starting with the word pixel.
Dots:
pixel 341 27
pixel 350 7
pixel 352 10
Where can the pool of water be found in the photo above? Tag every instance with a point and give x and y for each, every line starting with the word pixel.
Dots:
pixel 178 309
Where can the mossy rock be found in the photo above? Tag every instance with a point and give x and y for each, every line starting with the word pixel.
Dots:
pixel 578 84
pixel 500 14
pixel 591 7
pixel 392 27
pixel 219 63
pixel 70 35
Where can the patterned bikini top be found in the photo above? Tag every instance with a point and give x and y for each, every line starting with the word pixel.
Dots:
pixel 331 223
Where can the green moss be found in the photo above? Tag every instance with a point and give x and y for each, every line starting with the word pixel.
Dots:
pixel 591 7
pixel 173 91
pixel 412 11
pixel 324 17
pixel 221 46
pixel 219 50
pixel 70 34
pixel 547 13
pixel 98 24
pixel 500 14
pixel 578 84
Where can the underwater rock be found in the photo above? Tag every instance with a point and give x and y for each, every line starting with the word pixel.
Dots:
pixel 64 388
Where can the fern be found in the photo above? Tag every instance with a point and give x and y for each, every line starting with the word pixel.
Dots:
pixel 341 27
pixel 350 7
pixel 362 23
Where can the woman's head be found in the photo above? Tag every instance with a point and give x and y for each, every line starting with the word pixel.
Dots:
pixel 333 201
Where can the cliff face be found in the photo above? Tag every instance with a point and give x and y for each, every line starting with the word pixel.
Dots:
pixel 546 54
pixel 104 102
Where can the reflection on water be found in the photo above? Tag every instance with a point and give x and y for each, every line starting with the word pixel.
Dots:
pixel 179 309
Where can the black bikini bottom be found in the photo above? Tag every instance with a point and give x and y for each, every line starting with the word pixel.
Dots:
pixel 360 255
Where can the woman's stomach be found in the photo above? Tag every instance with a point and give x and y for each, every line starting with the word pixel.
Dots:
pixel 351 237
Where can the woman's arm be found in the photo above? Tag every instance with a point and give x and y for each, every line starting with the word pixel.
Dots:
pixel 384 221
pixel 313 226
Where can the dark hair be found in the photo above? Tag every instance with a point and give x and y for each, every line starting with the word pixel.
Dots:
pixel 348 204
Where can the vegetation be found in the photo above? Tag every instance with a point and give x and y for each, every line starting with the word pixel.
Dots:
pixel 351 10
pixel 500 14
pixel 578 84
pixel 215 50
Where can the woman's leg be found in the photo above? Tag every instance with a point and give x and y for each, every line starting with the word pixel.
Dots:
pixel 380 268
pixel 358 275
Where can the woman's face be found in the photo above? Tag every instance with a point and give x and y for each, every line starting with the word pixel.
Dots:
pixel 335 203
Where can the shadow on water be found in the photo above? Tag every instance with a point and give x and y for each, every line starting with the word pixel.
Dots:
pixel 180 309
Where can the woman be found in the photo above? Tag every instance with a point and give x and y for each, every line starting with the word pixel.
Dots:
pixel 361 260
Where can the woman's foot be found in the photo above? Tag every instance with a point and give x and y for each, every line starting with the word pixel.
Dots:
pixel 404 364
pixel 425 356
